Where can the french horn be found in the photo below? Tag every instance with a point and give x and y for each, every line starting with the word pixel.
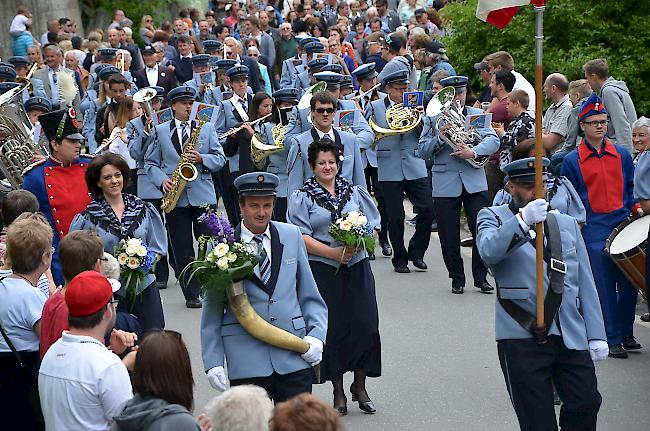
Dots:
pixel 400 120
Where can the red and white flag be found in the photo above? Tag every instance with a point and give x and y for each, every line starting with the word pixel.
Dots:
pixel 500 12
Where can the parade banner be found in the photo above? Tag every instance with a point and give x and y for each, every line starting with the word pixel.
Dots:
pixel 500 12
pixel 204 112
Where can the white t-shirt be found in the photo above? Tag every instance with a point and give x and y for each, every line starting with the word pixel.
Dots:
pixel 118 146
pixel 43 284
pixel 521 83
pixel 82 385
pixel 20 309
pixel 18 24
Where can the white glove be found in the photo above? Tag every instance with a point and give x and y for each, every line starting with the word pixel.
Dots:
pixel 314 355
pixel 598 350
pixel 217 378
pixel 534 212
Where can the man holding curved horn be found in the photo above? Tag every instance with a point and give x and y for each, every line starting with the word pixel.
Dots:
pixel 282 292
pixel 455 182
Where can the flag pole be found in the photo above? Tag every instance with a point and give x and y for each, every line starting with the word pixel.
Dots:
pixel 539 184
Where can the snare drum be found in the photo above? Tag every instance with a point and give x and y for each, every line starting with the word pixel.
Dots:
pixel 626 246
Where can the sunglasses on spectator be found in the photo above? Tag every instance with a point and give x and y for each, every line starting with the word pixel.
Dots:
pixel 596 123
pixel 324 110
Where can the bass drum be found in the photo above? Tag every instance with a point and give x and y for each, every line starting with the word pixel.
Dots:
pixel 627 247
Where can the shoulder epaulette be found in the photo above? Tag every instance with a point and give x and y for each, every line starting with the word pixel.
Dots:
pixel 32 166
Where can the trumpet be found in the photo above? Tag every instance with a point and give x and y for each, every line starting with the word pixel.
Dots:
pixel 238 128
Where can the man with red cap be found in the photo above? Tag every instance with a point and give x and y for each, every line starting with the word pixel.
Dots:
pixel 603 175
pixel 82 384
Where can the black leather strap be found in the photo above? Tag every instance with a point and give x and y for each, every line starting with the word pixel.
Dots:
pixel 10 344
pixel 556 271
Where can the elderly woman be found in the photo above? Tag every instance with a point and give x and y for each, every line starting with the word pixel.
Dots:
pixel 115 216
pixel 343 275
pixel 29 248
pixel 641 143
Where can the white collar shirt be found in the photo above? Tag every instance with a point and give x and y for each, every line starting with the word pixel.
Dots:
pixel 152 75
pixel 330 134
pixel 85 384
pixel 179 129
pixel 247 237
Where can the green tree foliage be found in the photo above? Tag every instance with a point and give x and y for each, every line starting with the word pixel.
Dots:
pixel 575 31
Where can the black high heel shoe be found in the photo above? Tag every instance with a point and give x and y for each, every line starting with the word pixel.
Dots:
pixel 342 409
pixel 366 406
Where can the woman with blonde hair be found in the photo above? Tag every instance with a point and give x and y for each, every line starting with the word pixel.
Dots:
pixel 146 29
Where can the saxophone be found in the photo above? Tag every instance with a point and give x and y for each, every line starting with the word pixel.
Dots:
pixel 185 172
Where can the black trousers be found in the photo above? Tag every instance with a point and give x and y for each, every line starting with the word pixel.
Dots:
pixel 229 193
pixel 280 210
pixel 448 217
pixel 162 267
pixel 132 188
pixel 372 182
pixel 19 401
pixel 281 387
pixel 531 369
pixel 495 178
pixel 182 226
pixel 419 193
pixel 146 306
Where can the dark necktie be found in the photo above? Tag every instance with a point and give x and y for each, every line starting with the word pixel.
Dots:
pixel 264 263
pixel 183 133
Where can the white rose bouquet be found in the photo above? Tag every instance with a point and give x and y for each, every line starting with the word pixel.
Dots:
pixel 352 230
pixel 136 260
pixel 221 260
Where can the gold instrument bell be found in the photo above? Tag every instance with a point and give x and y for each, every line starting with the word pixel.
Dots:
pixel 261 151
pixel 400 120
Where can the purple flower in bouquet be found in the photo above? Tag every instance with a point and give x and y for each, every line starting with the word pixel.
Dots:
pixel 218 226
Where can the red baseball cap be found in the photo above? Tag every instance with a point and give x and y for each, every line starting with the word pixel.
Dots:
pixel 88 293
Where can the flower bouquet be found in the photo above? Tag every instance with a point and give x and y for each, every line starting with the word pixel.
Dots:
pixel 136 260
pixel 221 260
pixel 352 230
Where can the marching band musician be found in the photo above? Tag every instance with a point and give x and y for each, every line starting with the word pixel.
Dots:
pixel 109 56
pixel 202 73
pixel 223 91
pixel 399 171
pixel 306 79
pixel 97 105
pixel 603 175
pixel 35 107
pixel 455 182
pixel 161 160
pixel 58 181
pixel 21 65
pixel 346 87
pixel 366 76
pixel 303 80
pixel 118 87
pixel 282 292
pixel 7 72
pixel 214 48
pixel 292 67
pixel 323 107
pixel 147 190
pixel 574 337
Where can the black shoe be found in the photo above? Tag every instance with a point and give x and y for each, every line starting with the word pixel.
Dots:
pixel 484 286
pixel 343 408
pixel 420 264
pixel 467 242
pixel 617 351
pixel 161 285
pixel 457 289
pixel 629 343
pixel 386 249
pixel 434 226
pixel 371 255
pixel 366 406
pixel 193 303
pixel 645 317
pixel 402 269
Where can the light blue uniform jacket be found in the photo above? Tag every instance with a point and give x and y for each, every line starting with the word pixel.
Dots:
pixel 505 249
pixel 290 302
pixel 290 70
pixel 314 220
pixel 370 155
pixel 298 165
pixel 299 123
pixel 138 144
pixel 229 117
pixel 150 230
pixel 162 157
pixel 277 162
pixel 89 126
pixel 450 173
pixel 215 95
pixel 397 155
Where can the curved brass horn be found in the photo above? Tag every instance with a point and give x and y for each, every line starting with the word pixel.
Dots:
pixel 399 119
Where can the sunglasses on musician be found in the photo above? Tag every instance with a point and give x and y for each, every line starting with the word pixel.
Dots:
pixel 324 110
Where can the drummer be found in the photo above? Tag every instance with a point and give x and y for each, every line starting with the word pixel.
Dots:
pixel 641 142
pixel 594 169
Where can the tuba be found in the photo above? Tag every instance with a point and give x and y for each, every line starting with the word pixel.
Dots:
pixel 400 120
pixel 450 113
pixel 16 137
pixel 144 97
pixel 185 172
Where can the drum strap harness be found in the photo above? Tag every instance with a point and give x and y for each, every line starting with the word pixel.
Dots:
pixel 556 270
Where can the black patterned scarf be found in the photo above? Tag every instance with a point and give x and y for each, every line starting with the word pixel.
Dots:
pixel 324 199
pixel 100 213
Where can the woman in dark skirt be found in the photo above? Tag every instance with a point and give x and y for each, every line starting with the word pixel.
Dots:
pixel 353 342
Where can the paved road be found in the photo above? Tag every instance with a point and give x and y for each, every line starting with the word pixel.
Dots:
pixel 440 367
